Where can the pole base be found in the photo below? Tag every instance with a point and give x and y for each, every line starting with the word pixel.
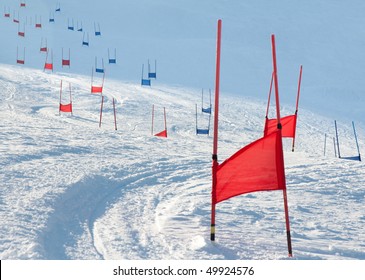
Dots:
pixel 212 232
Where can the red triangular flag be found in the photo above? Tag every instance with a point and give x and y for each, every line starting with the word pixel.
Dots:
pixel 162 134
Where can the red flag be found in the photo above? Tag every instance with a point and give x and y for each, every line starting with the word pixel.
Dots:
pixel 96 89
pixel 65 62
pixel 66 108
pixel 162 134
pixel 257 167
pixel 48 66
pixel 288 124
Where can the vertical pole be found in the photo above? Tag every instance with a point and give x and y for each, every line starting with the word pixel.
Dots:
pixel 325 140
pixel 164 113
pixel 102 84
pixel 153 115
pixel 334 146
pixel 59 107
pixel 299 84
pixel 101 109
pixel 276 81
pixel 268 103
pixel 44 68
pixel 288 236
pixel 295 128
pixel 297 105
pixel 115 115
pixel 286 210
pixel 338 143
pixel 269 98
pixel 357 143
pixel 215 137
pixel 196 119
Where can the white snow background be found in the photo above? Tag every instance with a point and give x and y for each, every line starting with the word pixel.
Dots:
pixel 72 190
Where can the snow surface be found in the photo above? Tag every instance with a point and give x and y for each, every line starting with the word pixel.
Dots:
pixel 72 190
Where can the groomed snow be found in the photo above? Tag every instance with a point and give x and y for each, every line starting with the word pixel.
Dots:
pixel 72 190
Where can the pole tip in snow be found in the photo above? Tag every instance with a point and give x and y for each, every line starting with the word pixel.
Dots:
pixel 212 232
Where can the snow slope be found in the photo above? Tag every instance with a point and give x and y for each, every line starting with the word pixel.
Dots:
pixel 72 190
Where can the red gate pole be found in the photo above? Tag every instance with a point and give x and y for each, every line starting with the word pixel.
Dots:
pixel 297 105
pixel 59 107
pixel 286 210
pixel 269 98
pixel 164 113
pixel 215 137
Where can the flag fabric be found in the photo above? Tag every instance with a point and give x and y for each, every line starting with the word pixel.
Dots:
pixel 96 89
pixel 288 125
pixel 65 62
pixel 162 134
pixel 48 66
pixel 258 166
pixel 67 108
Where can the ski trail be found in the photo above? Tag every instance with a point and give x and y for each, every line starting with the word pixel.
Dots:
pixel 70 229
pixel 158 216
